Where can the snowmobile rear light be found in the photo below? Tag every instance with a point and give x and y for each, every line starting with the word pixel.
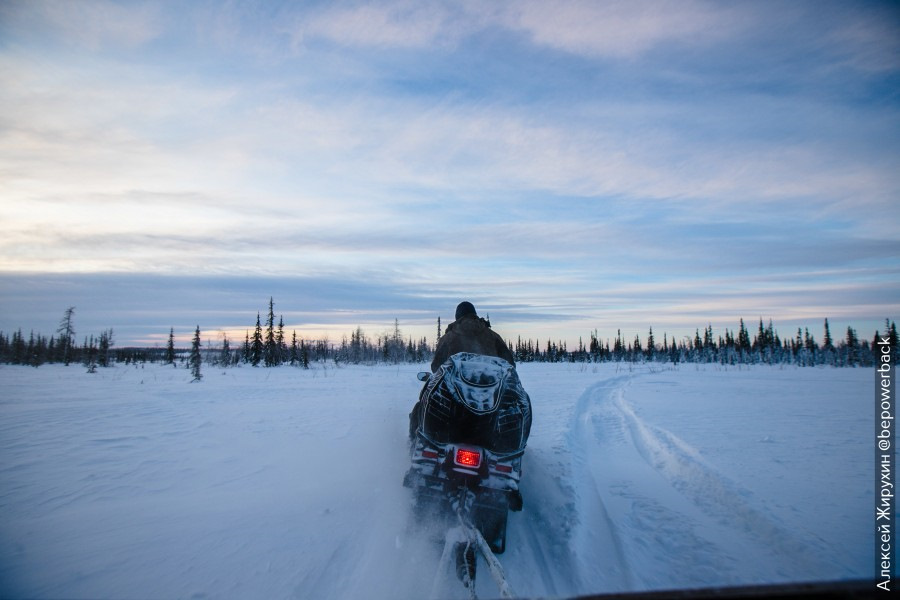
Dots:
pixel 429 454
pixel 503 468
pixel 468 458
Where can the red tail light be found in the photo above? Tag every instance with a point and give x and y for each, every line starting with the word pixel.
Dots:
pixel 468 458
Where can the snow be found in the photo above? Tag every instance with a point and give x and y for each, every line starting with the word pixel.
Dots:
pixel 286 483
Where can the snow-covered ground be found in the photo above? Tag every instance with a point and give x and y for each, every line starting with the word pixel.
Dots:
pixel 283 483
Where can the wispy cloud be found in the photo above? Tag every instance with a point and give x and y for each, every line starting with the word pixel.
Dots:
pixel 620 29
pixel 90 24
pixel 403 24
pixel 868 39
pixel 608 29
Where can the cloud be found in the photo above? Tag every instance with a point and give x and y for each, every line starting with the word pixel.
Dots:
pixel 137 304
pixel 251 142
pixel 619 29
pixel 405 24
pixel 86 24
pixel 141 306
pixel 869 39
pixel 605 29
pixel 404 143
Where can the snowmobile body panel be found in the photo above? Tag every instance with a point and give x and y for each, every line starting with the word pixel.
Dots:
pixel 478 400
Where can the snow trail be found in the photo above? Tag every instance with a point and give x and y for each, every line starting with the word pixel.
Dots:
pixel 665 515
pixel 595 436
pixel 727 505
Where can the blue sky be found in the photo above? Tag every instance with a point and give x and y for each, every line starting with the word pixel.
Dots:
pixel 566 166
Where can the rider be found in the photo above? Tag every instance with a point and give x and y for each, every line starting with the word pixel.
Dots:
pixel 470 333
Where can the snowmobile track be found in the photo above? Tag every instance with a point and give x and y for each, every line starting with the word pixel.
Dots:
pixel 595 426
pixel 643 489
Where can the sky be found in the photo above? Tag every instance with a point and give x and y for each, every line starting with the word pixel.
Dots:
pixel 566 166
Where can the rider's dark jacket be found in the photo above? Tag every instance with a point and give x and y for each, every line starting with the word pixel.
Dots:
pixel 470 333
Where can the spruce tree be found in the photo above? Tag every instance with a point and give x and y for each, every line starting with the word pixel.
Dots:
pixel 760 343
pixel 828 353
pixel 304 354
pixel 270 348
pixel 708 343
pixel 19 350
pixel 393 346
pixel 195 359
pixel 594 347
pixel 32 352
pixel 809 340
pixel 66 333
pixel 170 348
pixel 743 341
pixel 41 351
pixel 225 356
pixel 852 347
pixel 280 345
pixel 106 342
pixel 5 347
pixel 256 347
pixel 90 355
pixel 618 345
pixel 245 349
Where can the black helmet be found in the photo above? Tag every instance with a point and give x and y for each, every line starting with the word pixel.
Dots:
pixel 465 308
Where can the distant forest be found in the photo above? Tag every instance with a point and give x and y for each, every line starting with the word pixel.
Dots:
pixel 270 346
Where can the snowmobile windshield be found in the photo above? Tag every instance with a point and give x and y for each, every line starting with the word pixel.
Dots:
pixel 478 380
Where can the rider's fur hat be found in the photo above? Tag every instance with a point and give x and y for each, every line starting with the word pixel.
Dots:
pixel 465 308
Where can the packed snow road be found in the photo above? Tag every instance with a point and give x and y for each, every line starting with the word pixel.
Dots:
pixel 284 483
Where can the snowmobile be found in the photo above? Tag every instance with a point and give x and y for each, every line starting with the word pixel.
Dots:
pixel 467 437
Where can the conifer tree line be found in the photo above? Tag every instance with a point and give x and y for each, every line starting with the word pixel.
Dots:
pixel 730 348
pixel 94 351
pixel 269 345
